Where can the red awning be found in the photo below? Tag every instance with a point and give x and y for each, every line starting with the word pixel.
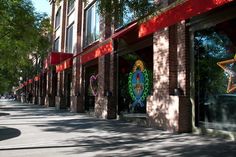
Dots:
pixel 55 58
pixel 36 78
pixel 100 50
pixel 178 13
pixel 25 83
pixel 64 65
pixel 30 81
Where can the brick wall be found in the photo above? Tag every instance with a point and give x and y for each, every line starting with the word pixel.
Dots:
pixel 166 108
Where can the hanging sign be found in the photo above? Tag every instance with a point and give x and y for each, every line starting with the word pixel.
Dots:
pixel 138 84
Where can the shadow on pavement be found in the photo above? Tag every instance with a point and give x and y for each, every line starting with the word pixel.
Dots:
pixel 8 133
pixel 110 136
pixel 4 114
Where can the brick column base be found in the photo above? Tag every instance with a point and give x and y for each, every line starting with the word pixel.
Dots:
pixel 60 102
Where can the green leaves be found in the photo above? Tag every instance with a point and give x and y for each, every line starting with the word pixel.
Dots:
pixel 22 33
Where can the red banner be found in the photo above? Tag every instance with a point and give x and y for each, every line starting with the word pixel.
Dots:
pixel 30 81
pixel 103 49
pixel 64 65
pixel 36 78
pixel 25 83
pixel 180 12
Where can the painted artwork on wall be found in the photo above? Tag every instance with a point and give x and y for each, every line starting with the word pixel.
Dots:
pixel 138 84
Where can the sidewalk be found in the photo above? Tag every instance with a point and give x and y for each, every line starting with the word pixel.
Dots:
pixel 28 130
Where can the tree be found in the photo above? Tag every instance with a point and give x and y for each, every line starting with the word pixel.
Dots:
pixel 23 33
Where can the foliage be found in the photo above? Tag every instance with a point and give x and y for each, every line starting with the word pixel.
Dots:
pixel 23 35
pixel 210 47
pixel 123 12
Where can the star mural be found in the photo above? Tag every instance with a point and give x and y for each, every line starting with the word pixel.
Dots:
pixel 225 65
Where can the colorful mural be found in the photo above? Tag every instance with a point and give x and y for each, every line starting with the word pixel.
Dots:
pixel 138 84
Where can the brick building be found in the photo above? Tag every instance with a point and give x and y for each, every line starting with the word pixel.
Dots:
pixel 166 68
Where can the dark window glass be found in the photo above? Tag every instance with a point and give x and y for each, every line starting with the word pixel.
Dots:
pixel 128 14
pixel 69 43
pixel 58 17
pixel 71 4
pixel 92 24
pixel 56 45
pixel 215 76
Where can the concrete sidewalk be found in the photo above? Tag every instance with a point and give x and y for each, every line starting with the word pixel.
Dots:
pixel 28 130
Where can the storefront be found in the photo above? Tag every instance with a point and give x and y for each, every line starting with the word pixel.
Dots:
pixel 135 70
pixel 213 55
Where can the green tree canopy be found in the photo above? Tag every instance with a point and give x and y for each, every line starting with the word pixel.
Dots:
pixel 23 41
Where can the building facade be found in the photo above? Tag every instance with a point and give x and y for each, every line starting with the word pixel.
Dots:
pixel 175 68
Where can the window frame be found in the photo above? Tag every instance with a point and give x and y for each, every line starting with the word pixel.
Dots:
pixel 94 15
pixel 57 40
pixel 69 45
pixel 69 8
pixel 58 18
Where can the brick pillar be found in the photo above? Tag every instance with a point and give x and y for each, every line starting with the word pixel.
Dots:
pixel 166 108
pixel 185 107
pixel 112 103
pixel 60 98
pixel 48 88
pixel 77 98
pixel 101 100
pixel 162 109
pixel 105 106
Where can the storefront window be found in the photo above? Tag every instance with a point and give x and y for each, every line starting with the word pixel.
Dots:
pixel 215 75
pixel 135 81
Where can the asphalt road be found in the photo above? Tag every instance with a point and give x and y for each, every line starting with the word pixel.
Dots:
pixel 28 130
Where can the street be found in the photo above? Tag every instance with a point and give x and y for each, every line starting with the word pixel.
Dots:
pixel 28 130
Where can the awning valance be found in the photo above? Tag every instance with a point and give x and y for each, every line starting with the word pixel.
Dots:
pixel 97 51
pixel 64 65
pixel 36 78
pixel 181 11
pixel 55 58
pixel 30 81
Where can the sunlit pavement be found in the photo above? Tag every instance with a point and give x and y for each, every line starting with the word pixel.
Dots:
pixel 28 130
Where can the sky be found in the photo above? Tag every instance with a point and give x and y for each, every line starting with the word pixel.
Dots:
pixel 42 6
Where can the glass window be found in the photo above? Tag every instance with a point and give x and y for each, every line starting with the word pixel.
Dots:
pixel 58 16
pixel 69 39
pixel 129 11
pixel 92 24
pixel 215 76
pixel 56 45
pixel 70 5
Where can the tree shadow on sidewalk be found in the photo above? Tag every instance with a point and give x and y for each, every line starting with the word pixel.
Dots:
pixel 116 138
pixel 8 133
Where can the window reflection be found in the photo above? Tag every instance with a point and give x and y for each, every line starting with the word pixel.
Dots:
pixel 215 82
pixel 92 24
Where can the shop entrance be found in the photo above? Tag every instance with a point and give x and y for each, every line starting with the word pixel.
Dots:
pixel 68 85
pixel 134 80
pixel 91 85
